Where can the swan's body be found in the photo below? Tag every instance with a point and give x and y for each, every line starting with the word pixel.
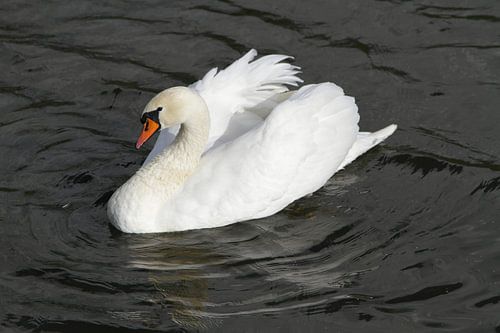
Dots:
pixel 246 148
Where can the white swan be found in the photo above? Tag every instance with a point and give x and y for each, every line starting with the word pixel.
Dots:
pixel 244 148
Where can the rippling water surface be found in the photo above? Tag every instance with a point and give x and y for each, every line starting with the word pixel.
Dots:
pixel 405 239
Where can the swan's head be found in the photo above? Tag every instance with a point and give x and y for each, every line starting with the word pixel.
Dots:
pixel 171 107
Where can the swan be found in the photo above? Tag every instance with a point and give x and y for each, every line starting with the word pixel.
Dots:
pixel 238 145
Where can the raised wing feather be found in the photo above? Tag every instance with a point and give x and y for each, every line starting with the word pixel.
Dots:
pixel 229 93
pixel 243 85
pixel 293 153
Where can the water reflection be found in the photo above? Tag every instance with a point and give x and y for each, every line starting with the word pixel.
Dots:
pixel 177 274
pixel 248 260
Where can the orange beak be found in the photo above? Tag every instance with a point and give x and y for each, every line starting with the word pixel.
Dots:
pixel 150 128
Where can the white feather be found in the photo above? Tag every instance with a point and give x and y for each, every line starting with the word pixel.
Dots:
pixel 366 141
pixel 240 87
pixel 293 153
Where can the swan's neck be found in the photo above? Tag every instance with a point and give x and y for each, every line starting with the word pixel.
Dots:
pixel 170 168
pixel 137 204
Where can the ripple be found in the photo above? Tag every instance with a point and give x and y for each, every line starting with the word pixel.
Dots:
pixel 426 293
pixel 93 53
pixel 421 164
pixel 488 186
pixel 267 17
pixel 488 301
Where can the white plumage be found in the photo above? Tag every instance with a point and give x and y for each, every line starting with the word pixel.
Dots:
pixel 263 149
pixel 232 92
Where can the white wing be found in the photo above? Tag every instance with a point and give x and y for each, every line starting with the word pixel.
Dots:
pixel 243 85
pixel 294 152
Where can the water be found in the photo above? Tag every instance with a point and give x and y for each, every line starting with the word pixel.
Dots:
pixel 406 239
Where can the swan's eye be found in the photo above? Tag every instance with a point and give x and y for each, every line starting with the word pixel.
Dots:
pixel 153 115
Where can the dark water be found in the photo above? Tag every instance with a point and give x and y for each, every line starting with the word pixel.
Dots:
pixel 406 239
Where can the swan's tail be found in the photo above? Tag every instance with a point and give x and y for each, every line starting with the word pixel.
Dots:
pixel 366 141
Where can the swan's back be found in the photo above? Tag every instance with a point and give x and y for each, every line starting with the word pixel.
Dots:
pixel 293 153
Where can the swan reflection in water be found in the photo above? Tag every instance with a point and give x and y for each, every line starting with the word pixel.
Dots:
pixel 279 264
